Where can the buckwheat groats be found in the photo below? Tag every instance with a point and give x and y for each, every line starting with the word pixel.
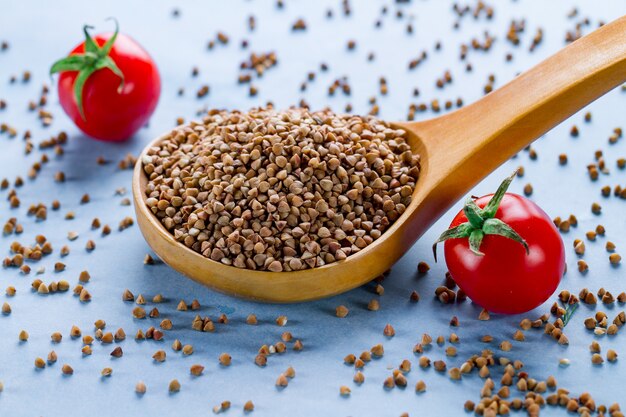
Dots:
pixel 280 190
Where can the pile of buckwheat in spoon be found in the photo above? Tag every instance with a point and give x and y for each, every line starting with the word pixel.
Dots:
pixel 280 190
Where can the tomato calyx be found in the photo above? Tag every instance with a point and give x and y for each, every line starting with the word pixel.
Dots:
pixel 93 59
pixel 482 222
pixel 569 312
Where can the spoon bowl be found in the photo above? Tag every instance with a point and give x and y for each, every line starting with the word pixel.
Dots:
pixel 457 150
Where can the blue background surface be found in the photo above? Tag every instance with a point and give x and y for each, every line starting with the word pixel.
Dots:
pixel 39 32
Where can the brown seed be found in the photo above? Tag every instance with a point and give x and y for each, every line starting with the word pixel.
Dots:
pixel 389 331
pixel 596 208
pixel 140 388
pixel 596 359
pixel 420 386
pixel 380 290
pixel 484 315
pixel 174 386
pixel 86 350
pixel 225 359
pixel 84 296
pixel 454 373
pixel 187 350
pixel 106 372
pixel 75 332
pixel 373 305
pixel 611 355
pixel 290 373
pixel 506 346
pixel 359 378
pixel 43 289
pixel 341 311
pixel 56 337
pixel 139 313
pixel 225 405
pixel 40 363
pixel 196 370
pixel 117 352
pixel 140 300
pixel 297 345
pixel 6 309
pixel 282 381
pixel 159 356
pixel 260 360
pixel 405 366
pixel 571 406
pixel 528 189
pixel 251 319
pixel 208 326
pixel 248 406
pixel 519 336
pixel 52 357
pixel 579 247
pixel 615 259
pixel 23 336
pixel 399 379
pixel 67 370
pixel 128 296
pixel 377 350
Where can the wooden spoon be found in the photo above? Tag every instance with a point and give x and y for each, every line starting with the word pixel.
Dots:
pixel 457 149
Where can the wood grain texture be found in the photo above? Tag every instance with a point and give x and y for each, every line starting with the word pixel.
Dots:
pixel 458 150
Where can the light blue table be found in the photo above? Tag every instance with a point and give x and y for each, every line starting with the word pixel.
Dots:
pixel 40 32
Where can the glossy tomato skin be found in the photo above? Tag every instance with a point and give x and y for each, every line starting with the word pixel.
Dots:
pixel 507 280
pixel 109 114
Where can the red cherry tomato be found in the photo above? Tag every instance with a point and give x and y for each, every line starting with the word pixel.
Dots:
pixel 506 279
pixel 115 102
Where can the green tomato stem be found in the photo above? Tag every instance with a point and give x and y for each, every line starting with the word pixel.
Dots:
pixel 93 59
pixel 482 222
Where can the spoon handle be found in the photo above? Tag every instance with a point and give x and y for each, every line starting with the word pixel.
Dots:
pixel 470 143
